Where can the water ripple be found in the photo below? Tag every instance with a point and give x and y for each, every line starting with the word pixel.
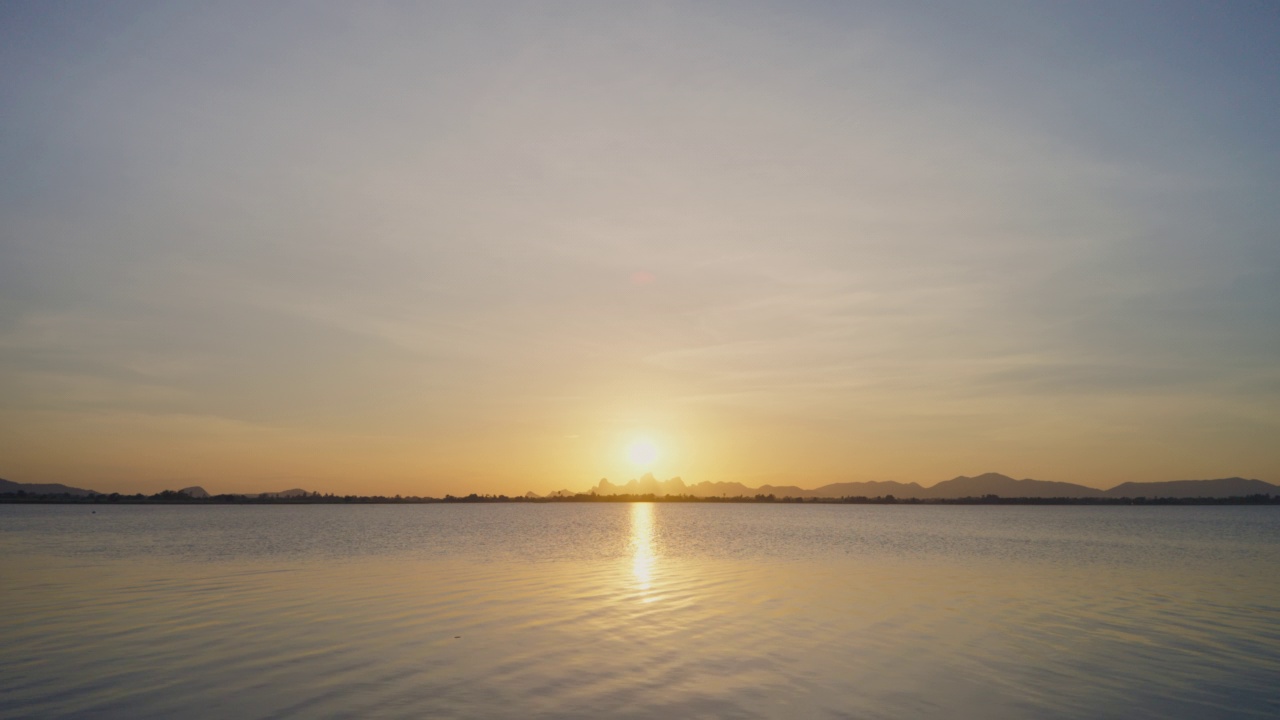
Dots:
pixel 638 612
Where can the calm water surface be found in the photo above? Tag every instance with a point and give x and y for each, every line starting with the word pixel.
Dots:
pixel 639 611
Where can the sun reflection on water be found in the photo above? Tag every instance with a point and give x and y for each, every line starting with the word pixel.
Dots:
pixel 642 545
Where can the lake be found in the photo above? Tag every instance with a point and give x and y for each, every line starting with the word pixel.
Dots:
pixel 639 611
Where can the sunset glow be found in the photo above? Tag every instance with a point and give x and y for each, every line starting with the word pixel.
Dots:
pixel 775 359
pixel 642 454
pixel 431 249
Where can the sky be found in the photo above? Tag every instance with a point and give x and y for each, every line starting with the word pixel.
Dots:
pixel 430 248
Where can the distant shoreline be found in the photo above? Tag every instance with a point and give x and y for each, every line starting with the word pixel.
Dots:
pixel 988 488
pixel 170 497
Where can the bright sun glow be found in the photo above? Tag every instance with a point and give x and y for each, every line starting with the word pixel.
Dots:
pixel 642 453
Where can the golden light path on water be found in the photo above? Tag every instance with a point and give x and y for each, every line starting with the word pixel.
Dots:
pixel 642 558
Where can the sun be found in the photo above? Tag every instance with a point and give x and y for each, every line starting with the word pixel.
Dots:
pixel 642 453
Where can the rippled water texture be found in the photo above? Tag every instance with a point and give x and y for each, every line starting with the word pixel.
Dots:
pixel 616 610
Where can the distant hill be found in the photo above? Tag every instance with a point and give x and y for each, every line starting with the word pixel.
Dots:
pixel 958 487
pixel 1005 486
pixel 874 488
pixel 195 491
pixel 200 493
pixel 988 484
pixel 1224 487
pixel 295 492
pixel 8 486
pixel 647 484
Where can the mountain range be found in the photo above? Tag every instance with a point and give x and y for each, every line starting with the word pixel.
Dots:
pixel 958 487
pixel 195 491
pixel 9 486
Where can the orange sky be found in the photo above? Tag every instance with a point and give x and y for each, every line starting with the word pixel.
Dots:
pixel 438 250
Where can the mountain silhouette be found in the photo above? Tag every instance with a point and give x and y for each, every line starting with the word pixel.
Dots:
pixel 292 493
pixel 1223 487
pixel 958 487
pixel 8 486
pixel 1005 486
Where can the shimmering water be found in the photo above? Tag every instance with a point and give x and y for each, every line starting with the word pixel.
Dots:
pixel 639 611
